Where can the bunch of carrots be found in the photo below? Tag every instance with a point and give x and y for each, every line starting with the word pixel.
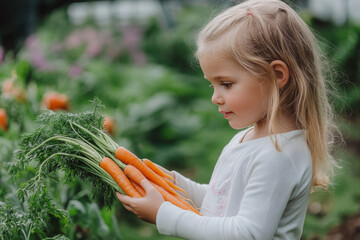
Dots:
pixel 77 144
pixel 136 170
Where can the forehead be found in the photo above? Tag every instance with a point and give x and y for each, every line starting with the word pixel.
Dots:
pixel 212 64
pixel 214 49
pixel 221 68
pixel 220 56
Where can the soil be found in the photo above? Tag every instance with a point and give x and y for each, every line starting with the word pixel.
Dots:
pixel 348 230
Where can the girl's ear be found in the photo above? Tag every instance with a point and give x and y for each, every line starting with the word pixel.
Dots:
pixel 281 73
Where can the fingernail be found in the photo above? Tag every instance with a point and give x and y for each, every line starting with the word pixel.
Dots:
pixel 144 181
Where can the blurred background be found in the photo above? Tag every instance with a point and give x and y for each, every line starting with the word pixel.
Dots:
pixel 137 58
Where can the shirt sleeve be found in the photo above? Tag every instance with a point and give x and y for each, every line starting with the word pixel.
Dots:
pixel 195 191
pixel 270 181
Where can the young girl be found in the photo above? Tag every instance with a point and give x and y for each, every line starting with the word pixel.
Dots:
pixel 261 60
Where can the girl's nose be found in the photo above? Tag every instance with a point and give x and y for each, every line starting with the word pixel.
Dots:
pixel 217 99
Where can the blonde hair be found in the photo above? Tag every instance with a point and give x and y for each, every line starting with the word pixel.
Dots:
pixel 257 32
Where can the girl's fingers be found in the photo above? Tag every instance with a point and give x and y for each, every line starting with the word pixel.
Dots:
pixel 146 185
pixel 119 195
pixel 124 199
pixel 127 207
pixel 146 207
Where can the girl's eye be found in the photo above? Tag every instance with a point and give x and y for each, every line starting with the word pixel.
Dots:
pixel 226 84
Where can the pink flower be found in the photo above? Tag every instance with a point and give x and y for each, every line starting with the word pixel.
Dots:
pixel 36 55
pixel 74 40
pixel 93 48
pixel 75 71
pixel 132 37
pixel 57 47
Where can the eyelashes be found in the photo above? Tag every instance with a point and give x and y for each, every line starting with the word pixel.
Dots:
pixel 225 84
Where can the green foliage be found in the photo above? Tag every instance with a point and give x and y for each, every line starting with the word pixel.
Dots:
pixel 175 47
pixel 329 209
pixel 16 223
pixel 89 218
pixel 162 109
pixel 57 145
pixel 341 45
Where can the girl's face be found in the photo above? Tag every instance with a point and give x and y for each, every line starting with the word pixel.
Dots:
pixel 240 96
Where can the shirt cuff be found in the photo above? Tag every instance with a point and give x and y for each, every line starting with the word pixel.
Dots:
pixel 167 217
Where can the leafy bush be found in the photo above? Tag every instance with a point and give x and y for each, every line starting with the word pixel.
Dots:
pixel 154 90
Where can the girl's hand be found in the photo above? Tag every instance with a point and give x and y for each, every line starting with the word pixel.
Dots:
pixel 146 207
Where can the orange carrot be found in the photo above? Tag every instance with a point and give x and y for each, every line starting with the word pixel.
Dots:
pixel 3 119
pixel 156 169
pixel 165 176
pixel 171 184
pixel 175 200
pixel 139 188
pixel 134 174
pixel 120 178
pixel 55 101
pixel 129 158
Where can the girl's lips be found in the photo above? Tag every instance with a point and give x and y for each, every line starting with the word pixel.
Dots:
pixel 226 114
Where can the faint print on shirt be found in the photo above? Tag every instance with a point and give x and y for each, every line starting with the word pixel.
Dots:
pixel 216 200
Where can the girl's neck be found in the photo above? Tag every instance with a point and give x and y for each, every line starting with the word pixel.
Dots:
pixel 261 129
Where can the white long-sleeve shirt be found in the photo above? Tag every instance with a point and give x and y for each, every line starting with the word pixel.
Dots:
pixel 255 192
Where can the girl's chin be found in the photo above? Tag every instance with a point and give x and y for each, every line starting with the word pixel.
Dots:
pixel 236 126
